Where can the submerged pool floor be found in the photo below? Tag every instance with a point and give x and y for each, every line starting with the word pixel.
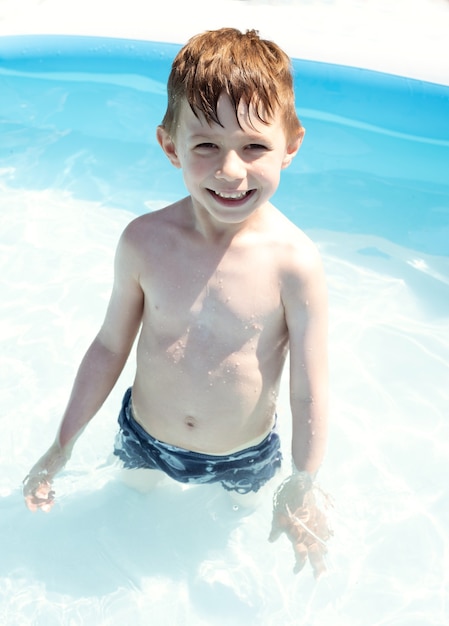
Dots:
pixel 78 160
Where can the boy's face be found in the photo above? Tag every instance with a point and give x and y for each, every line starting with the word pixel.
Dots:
pixel 230 170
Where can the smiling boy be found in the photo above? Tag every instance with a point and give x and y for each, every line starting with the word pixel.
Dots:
pixel 222 287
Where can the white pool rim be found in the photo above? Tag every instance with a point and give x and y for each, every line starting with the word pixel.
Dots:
pixel 407 37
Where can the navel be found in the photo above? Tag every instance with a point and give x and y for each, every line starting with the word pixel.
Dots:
pixel 190 421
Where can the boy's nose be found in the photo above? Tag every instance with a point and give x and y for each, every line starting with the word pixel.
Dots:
pixel 231 167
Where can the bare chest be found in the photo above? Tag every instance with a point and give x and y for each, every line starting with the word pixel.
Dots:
pixel 228 300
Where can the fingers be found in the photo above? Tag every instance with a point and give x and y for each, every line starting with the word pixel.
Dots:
pixel 279 525
pixel 36 502
pixel 275 533
pixel 301 557
pixel 40 496
pixel 319 568
pixel 307 537
pixel 297 514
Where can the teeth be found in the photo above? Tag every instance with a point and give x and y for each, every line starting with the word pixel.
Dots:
pixel 237 195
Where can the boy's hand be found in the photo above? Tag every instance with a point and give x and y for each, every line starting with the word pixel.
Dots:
pixel 37 485
pixel 296 513
pixel 38 492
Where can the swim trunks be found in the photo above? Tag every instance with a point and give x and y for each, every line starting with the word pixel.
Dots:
pixel 242 471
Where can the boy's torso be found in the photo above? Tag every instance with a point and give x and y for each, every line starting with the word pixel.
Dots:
pixel 214 339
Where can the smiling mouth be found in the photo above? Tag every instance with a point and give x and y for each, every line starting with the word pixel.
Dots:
pixel 231 195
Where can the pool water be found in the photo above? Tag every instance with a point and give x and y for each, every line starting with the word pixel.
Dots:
pixel 78 160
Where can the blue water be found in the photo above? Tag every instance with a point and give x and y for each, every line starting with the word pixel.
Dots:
pixel 375 157
pixel 78 158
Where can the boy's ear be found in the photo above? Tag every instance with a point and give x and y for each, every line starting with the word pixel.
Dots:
pixel 168 145
pixel 292 148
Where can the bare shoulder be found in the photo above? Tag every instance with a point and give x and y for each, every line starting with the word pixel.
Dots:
pixel 299 267
pixel 298 254
pixel 147 224
pixel 152 229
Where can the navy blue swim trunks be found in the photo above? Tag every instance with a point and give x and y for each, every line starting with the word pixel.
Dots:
pixel 243 471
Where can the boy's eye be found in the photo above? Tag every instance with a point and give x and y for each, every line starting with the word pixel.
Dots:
pixel 205 146
pixel 257 146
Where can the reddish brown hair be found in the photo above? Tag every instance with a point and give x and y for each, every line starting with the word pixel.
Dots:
pixel 242 65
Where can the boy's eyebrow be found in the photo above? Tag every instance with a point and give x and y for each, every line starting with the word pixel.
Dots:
pixel 212 138
pixel 199 136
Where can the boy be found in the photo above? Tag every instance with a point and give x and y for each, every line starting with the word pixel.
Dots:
pixel 221 286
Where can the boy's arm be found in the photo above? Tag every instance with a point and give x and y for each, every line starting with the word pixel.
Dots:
pixel 305 302
pixel 306 315
pixel 97 374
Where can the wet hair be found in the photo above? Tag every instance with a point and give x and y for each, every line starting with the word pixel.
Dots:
pixel 247 68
